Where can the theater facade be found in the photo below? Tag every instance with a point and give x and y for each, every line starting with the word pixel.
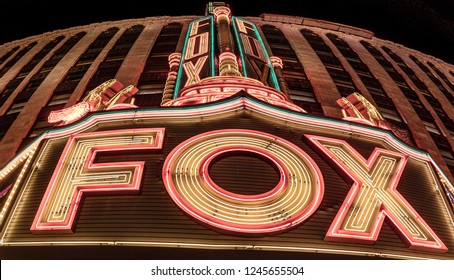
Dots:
pixel 225 156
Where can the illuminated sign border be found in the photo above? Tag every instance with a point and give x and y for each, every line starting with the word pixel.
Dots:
pixel 242 51
pixel 210 53
pixel 232 105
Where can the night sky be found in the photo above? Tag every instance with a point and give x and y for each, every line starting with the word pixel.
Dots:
pixel 424 25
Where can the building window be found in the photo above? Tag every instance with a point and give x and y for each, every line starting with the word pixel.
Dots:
pixel 384 103
pixel 21 100
pixel 57 101
pixel 15 59
pixel 152 80
pixel 301 91
pixel 424 114
pixel 68 84
pixel 113 60
pixel 339 75
pixel 13 83
pixel 431 99
pixel 8 54
pixel 5 123
pixel 445 79
pixel 434 79
pixel 36 80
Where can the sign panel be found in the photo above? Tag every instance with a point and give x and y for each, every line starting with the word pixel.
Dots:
pixel 256 62
pixel 151 177
pixel 197 61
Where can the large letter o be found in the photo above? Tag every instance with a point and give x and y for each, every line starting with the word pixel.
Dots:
pixel 297 195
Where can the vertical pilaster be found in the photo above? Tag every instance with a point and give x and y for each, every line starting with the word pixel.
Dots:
pixel 174 62
pixel 277 66
pixel 228 64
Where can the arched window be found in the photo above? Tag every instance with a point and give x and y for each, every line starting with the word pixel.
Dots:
pixel 301 91
pixel 152 80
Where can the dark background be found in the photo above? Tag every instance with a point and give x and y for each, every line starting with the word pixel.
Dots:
pixel 424 25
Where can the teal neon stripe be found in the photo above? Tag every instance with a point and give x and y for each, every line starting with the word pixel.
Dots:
pixel 212 50
pixel 273 73
pixel 180 68
pixel 259 38
pixel 240 47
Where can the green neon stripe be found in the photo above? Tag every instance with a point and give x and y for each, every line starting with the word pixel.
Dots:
pixel 211 51
pixel 211 54
pixel 240 47
pixel 178 82
pixel 259 38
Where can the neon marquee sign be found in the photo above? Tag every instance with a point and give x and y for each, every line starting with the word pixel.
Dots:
pixel 247 85
pixel 373 197
pixel 295 198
